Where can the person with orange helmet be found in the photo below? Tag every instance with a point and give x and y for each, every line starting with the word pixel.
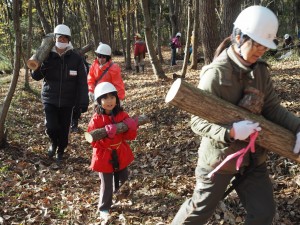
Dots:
pixel 224 153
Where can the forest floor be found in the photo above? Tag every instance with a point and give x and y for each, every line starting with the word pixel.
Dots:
pixel 35 191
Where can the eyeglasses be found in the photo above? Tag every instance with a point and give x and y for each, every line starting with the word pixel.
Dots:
pixel 259 47
pixel 101 56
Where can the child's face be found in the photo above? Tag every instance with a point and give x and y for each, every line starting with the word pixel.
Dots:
pixel 108 103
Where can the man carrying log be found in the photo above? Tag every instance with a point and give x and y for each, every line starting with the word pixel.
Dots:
pixel 238 76
pixel 64 86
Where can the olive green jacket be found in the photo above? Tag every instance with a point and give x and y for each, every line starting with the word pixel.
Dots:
pixel 227 78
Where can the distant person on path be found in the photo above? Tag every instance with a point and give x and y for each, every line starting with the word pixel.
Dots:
pixel 111 155
pixel 288 41
pixel 104 69
pixel 237 68
pixel 140 50
pixel 64 86
pixel 175 43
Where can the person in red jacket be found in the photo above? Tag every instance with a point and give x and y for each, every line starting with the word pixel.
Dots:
pixel 140 50
pixel 112 154
pixel 104 69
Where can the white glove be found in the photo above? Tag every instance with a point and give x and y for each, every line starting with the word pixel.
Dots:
pixel 244 128
pixel 91 96
pixel 297 144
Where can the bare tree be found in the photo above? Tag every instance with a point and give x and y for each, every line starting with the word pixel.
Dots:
pixel 229 11
pixel 188 40
pixel 29 42
pixel 17 64
pixel 45 24
pixel 209 34
pixel 195 40
pixel 128 44
pixel 156 66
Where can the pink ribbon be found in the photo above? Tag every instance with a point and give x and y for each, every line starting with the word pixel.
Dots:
pixel 240 154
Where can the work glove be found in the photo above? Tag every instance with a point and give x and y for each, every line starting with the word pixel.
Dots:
pixel 244 128
pixel 131 123
pixel 111 130
pixel 91 96
pixel 297 144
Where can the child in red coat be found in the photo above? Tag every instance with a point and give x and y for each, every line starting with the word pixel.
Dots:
pixel 111 155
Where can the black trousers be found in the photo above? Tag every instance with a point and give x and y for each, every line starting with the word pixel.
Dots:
pixel 75 116
pixel 57 123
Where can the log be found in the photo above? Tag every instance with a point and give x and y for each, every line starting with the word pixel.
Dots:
pixel 121 128
pixel 42 52
pixel 216 110
pixel 86 48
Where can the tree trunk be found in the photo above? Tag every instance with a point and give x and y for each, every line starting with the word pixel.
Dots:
pixel 209 34
pixel 229 11
pixel 29 42
pixel 91 21
pixel 188 41
pixel 17 57
pixel 121 128
pixel 42 52
pixel 156 66
pixel 44 22
pixel 158 12
pixel 195 41
pixel 128 44
pixel 215 110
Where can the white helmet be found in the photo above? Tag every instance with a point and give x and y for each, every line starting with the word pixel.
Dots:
pixel 62 30
pixel 178 34
pixel 104 88
pixel 286 36
pixel 103 49
pixel 259 23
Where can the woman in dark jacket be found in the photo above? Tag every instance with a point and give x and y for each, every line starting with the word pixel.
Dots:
pixel 64 86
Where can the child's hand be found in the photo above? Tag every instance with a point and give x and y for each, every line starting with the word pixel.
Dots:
pixel 131 123
pixel 111 130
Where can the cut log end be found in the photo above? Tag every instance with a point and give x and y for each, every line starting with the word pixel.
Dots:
pixel 173 90
pixel 88 137
pixel 32 64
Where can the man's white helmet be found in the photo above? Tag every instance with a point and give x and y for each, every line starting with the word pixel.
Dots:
pixel 104 88
pixel 178 34
pixel 286 36
pixel 62 29
pixel 103 49
pixel 260 24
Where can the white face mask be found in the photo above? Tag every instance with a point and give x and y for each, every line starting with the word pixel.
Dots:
pixel 61 45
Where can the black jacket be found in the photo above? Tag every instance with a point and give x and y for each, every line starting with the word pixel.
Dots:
pixel 65 80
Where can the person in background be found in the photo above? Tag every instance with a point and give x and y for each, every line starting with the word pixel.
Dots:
pixel 111 155
pixel 175 43
pixel 104 69
pixel 140 50
pixel 237 67
pixel 288 41
pixel 64 86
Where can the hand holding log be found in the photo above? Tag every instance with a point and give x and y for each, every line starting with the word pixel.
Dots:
pixel 216 110
pixel 42 52
pixel 121 128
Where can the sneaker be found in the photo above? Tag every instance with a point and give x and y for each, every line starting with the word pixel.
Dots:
pixel 52 151
pixel 74 129
pixel 104 216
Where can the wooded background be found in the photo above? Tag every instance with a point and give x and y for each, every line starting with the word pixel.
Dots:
pixel 23 24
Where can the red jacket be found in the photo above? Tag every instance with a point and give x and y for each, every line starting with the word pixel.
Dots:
pixel 140 48
pixel 102 148
pixel 113 75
